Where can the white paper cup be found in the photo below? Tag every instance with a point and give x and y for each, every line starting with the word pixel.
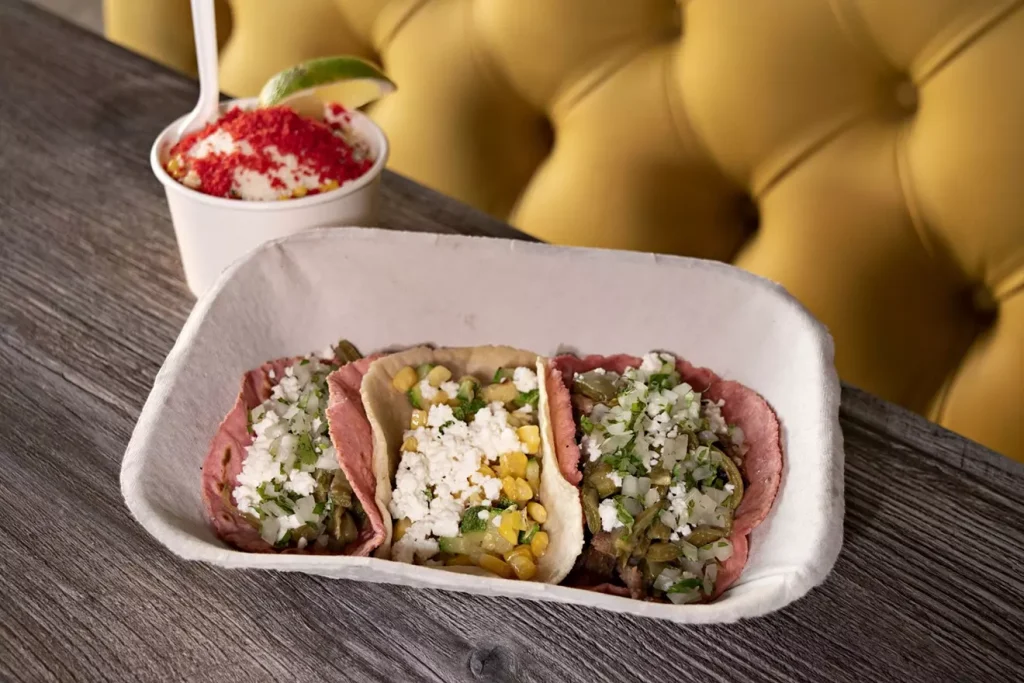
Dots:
pixel 213 232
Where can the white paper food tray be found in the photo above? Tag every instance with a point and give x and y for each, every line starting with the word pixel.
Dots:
pixel 385 289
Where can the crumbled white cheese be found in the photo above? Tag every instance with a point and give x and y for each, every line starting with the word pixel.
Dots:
pixel 525 379
pixel 426 391
pixel 435 483
pixel 278 472
pixel 609 515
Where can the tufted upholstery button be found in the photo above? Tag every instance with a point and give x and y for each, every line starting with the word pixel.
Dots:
pixel 906 96
pixel 984 303
pixel 867 155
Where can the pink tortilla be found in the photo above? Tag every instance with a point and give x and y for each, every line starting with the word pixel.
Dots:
pixel 224 461
pixel 745 408
pixel 353 439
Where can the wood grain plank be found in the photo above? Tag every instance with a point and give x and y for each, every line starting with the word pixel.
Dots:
pixel 927 587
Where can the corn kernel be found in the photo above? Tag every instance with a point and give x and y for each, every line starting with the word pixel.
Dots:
pixel 329 185
pixel 410 444
pixel 419 419
pixel 440 398
pixel 533 474
pixel 404 379
pixel 537 512
pixel 282 197
pixel 530 436
pixel 496 566
pixel 516 464
pixel 501 393
pixel 508 486
pixel 174 166
pixel 523 566
pixel 518 550
pixel 539 544
pixel 486 471
pixel 300 192
pixel 524 491
pixel 510 526
pixel 401 526
pixel 460 561
pixel 438 375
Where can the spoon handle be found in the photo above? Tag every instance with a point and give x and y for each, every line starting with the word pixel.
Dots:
pixel 204 24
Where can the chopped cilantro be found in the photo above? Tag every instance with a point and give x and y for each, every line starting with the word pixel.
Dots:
pixel 685 586
pixel 623 514
pixel 428 493
pixel 504 503
pixel 285 540
pixel 285 505
pixel 471 519
pixel 464 411
pixel 304 361
pixel 304 450
pixel 586 425
pixel 527 535
pixel 529 398
pixel 318 509
pixel 445 426
pixel 414 396
pixel 501 374
pixel 661 381
pixel 625 459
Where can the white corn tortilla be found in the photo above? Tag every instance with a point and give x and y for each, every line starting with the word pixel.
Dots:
pixel 389 413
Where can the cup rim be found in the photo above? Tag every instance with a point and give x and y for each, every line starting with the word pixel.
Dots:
pixel 349 188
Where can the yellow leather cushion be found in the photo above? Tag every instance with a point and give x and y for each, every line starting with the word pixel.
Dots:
pixel 867 154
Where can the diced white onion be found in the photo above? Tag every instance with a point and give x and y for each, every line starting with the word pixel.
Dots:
pixel 666 578
pixel 683 598
pixel 273 509
pixel 695 568
pixel 652 497
pixel 629 486
pixel 643 485
pixel 722 550
pixel 690 551
pixel 717 495
pixel 269 530
pixel 710 575
pixel 304 509
pixel 668 519
pixel 702 472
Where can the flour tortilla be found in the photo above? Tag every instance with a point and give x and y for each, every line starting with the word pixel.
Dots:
pixel 389 413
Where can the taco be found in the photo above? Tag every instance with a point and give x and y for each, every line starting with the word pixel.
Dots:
pixel 465 471
pixel 676 467
pixel 277 478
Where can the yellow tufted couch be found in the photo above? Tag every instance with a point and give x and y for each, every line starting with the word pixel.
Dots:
pixel 867 154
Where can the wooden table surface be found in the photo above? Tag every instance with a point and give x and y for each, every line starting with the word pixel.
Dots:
pixel 928 586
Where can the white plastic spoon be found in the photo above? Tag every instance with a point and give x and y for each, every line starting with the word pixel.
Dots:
pixel 204 25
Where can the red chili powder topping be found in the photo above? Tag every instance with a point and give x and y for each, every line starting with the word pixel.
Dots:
pixel 316 145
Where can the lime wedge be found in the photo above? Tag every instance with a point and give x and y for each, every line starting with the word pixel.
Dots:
pixel 353 82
